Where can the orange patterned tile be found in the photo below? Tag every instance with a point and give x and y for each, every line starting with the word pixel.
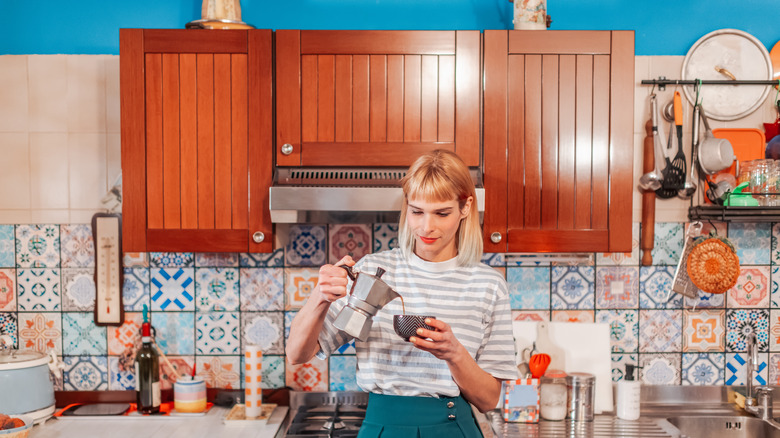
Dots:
pixel 311 376
pixel 703 330
pixel 123 337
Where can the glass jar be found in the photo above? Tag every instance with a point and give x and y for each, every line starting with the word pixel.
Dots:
pixel 758 180
pixel 553 395
pixel 745 167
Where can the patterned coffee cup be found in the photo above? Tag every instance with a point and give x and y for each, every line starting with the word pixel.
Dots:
pixel 406 325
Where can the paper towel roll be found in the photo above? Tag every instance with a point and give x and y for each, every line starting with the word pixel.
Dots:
pixel 253 377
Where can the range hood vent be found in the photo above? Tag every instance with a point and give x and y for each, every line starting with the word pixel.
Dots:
pixel 342 195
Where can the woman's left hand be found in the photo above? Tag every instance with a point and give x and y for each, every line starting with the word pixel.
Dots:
pixel 441 343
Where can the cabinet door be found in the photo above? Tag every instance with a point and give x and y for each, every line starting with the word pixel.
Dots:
pixel 196 130
pixel 558 140
pixel 376 98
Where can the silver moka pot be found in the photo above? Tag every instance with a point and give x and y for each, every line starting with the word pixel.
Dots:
pixel 368 294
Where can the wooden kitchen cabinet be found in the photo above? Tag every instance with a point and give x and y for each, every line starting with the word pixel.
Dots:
pixel 375 98
pixel 197 133
pixel 558 140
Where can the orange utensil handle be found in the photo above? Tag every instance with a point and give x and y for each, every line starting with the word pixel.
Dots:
pixel 678 110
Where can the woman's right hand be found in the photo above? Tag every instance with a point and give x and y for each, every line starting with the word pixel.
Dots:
pixel 333 280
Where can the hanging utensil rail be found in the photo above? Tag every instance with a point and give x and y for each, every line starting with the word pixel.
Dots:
pixel 664 82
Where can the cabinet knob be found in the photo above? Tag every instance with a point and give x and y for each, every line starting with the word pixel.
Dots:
pixel 287 149
pixel 495 237
pixel 258 236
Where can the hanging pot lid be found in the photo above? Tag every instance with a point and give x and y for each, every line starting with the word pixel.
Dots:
pixel 16 359
pixel 728 54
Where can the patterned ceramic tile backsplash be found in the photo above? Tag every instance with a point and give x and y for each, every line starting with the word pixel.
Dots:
pixel 207 307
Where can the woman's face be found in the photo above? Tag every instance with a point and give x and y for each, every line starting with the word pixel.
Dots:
pixel 435 227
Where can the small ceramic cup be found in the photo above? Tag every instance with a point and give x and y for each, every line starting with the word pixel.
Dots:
pixel 406 325
pixel 189 396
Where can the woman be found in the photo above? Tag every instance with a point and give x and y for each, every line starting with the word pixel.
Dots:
pixel 420 387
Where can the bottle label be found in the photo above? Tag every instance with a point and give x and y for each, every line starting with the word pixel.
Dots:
pixel 156 394
pixel 137 377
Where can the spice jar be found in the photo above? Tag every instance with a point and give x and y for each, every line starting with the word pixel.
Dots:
pixel 553 395
pixel 582 396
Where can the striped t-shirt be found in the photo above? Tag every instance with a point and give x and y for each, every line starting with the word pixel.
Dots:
pixel 473 300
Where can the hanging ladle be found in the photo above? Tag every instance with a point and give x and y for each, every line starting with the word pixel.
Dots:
pixel 690 186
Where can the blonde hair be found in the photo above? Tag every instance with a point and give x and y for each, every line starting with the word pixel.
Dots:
pixel 439 176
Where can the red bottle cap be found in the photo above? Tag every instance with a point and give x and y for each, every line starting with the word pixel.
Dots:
pixel 146 329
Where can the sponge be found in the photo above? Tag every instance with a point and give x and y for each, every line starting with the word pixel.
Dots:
pixel 739 400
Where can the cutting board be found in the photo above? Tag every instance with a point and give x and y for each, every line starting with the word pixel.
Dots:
pixel 578 347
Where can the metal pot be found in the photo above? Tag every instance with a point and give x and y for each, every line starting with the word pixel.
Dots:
pixel 25 382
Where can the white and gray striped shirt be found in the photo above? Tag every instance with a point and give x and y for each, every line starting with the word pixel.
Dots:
pixel 473 300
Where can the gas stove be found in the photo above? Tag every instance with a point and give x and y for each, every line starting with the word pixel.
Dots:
pixel 333 414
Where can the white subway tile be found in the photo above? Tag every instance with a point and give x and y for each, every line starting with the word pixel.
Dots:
pixel 48 93
pixel 86 93
pixel 15 175
pixel 13 93
pixel 48 170
pixel 87 169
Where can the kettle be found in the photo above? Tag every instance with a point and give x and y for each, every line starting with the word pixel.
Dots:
pixel 368 294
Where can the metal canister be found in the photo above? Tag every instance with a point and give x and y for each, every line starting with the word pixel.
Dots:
pixel 581 396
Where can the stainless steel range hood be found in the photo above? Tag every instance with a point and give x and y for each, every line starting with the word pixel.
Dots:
pixel 343 195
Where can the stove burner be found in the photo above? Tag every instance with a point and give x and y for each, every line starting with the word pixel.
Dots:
pixel 333 421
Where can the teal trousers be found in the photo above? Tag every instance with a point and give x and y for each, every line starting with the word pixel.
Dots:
pixel 393 416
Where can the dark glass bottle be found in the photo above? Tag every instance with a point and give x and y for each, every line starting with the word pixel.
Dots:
pixel 147 374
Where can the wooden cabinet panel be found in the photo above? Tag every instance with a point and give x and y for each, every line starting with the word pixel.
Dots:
pixel 189 150
pixel 558 152
pixel 376 98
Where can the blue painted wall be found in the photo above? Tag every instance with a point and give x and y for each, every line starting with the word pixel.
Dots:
pixel 663 27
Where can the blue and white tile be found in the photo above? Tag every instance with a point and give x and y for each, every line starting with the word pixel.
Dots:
pixel 273 371
pixel 736 369
pixel 78 289
pixel 573 287
pixel 752 242
pixel 342 373
pixel 668 243
pixel 175 332
pixel 217 333
pixel 655 288
pixel 617 287
pixel 308 246
pixel 9 326
pixel 258 260
pixel 135 290
pixel 80 335
pixel 77 248
pixel 7 247
pixel 262 289
pixel 385 237
pixel 38 289
pixel 118 379
pixel 216 289
pixel 742 322
pixel 619 362
pixel 529 288
pixel 494 259
pixel 706 300
pixel 85 373
pixel 216 259
pixel 623 329
pixel 661 331
pixel 622 258
pixel 703 369
pixel 37 246
pixel 264 329
pixel 288 319
pixel 660 368
pixel 172 289
pixel 171 259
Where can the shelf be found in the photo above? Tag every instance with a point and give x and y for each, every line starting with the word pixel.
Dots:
pixel 734 214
